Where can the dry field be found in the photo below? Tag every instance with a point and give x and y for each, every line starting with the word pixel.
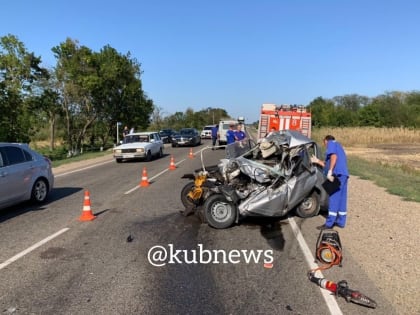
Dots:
pixel 393 146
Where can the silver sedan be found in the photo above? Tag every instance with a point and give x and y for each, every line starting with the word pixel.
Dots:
pixel 24 175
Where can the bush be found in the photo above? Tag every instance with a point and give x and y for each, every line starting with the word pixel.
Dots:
pixel 59 153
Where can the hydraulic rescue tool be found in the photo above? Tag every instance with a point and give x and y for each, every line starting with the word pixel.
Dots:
pixel 342 289
pixel 328 248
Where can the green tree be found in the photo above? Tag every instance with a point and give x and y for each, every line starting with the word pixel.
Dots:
pixel 411 109
pixel 46 107
pixel 103 86
pixel 322 112
pixel 369 116
pixel 19 69
pixel 118 91
pixel 389 107
pixel 73 71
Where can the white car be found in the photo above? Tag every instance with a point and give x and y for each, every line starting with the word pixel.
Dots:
pixel 139 145
pixel 206 132
pixel 24 175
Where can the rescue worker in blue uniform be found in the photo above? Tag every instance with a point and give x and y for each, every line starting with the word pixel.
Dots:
pixel 335 164
pixel 230 135
pixel 214 135
pixel 239 134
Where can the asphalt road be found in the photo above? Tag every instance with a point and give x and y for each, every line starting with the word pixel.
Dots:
pixel 102 266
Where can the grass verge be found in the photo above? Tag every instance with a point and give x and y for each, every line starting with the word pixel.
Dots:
pixel 396 180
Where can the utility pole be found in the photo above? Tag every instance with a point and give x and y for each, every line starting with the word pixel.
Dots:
pixel 118 136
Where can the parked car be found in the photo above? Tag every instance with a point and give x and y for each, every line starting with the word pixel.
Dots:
pixel 186 137
pixel 24 175
pixel 139 145
pixel 166 135
pixel 206 132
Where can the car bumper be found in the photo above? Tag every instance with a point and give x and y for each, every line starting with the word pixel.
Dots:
pixel 183 142
pixel 126 156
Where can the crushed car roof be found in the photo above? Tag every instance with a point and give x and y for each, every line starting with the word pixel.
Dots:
pixel 290 138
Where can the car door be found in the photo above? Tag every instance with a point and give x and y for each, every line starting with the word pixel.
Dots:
pixel 4 191
pixel 154 144
pixel 158 142
pixel 15 174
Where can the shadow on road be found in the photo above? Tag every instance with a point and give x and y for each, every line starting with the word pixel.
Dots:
pixel 24 207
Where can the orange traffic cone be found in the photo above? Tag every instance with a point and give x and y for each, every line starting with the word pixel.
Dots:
pixel 172 164
pixel 144 181
pixel 87 214
pixel 191 155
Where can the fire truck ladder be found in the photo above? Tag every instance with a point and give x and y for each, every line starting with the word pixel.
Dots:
pixel 263 125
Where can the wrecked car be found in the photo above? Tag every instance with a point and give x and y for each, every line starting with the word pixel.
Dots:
pixel 270 178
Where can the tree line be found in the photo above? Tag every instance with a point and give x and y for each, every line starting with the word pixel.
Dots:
pixel 392 109
pixel 82 98
pixel 86 94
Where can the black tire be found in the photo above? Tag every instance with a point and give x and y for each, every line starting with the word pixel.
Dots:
pixel 148 156
pixel 187 202
pixel 118 160
pixel 309 207
pixel 219 212
pixel 160 154
pixel 173 145
pixel 39 191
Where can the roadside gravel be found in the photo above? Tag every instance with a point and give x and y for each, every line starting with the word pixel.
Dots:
pixel 382 233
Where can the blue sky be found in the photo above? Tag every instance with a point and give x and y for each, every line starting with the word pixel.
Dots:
pixel 234 54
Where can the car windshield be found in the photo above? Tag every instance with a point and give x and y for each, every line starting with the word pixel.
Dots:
pixel 186 132
pixel 136 138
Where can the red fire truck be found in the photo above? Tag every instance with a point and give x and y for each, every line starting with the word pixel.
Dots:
pixel 283 117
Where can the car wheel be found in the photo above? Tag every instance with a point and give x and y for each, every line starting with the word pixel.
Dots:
pixel 187 201
pixel 219 212
pixel 148 156
pixel 309 207
pixel 39 191
pixel 173 145
pixel 160 152
pixel 118 160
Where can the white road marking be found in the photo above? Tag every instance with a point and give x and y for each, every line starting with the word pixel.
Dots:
pixel 152 178
pixel 328 297
pixel 33 247
pixel 82 169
